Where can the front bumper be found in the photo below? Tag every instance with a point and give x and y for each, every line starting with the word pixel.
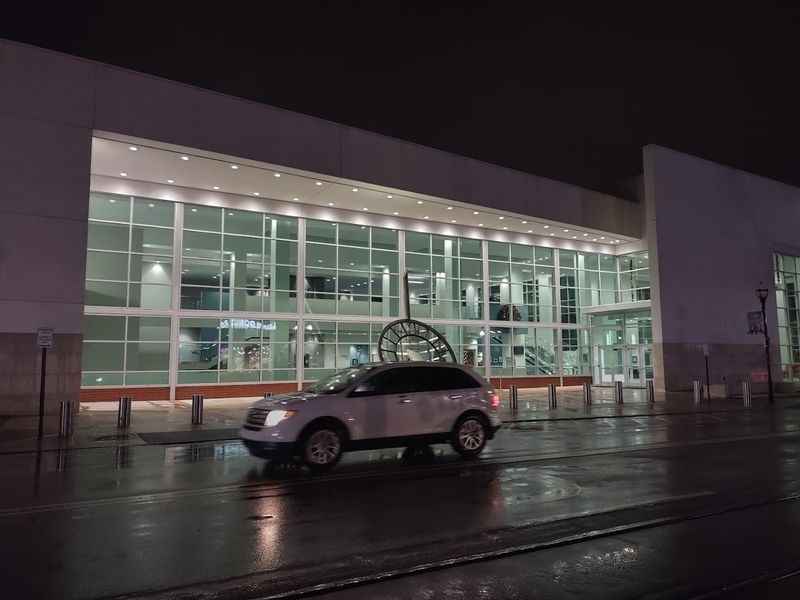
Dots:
pixel 269 450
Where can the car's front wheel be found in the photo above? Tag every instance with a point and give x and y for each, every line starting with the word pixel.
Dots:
pixel 322 448
pixel 469 436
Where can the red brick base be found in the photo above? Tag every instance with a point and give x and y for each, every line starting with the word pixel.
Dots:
pixel 184 392
pixel 537 382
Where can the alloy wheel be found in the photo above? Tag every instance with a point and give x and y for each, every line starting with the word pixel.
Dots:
pixel 471 434
pixel 323 447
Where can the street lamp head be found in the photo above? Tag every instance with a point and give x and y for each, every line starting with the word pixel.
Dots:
pixel 762 293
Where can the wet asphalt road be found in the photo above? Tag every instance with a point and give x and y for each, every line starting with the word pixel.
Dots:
pixel 676 506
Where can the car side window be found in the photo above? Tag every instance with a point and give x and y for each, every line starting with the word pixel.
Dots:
pixel 450 379
pixel 391 381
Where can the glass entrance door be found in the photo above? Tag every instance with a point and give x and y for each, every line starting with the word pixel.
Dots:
pixel 634 366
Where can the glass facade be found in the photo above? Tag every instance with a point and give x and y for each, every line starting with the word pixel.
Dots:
pixel 180 294
pixel 787 298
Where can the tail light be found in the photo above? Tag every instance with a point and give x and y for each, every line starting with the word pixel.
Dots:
pixel 494 399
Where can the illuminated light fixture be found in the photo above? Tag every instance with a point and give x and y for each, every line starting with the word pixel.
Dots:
pixel 419 201
pixel 530 231
pixel 365 208
pixel 184 157
pixel 552 234
pixel 547 226
pixel 230 214
pixel 256 193
pixel 566 231
pixel 296 199
pixel 216 187
pixel 319 183
pixel 389 196
pixel 617 242
pixel 574 237
pixel 133 148
pixel 363 227
pixel 524 222
pixel 170 181
pixel 277 174
pixel 234 167
pixel 112 200
pixel 330 203
pixel 480 224
pixel 449 208
pixel 594 239
pixel 426 217
pixel 395 213
pixel 505 227
pixel 151 205
pixel 585 234
pixel 309 327
pixel 602 237
pixel 355 189
pixel 475 212
pixel 194 210
pixel 123 174
pixel 453 221
pixel 501 218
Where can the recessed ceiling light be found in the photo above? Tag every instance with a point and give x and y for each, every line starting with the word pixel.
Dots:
pixel 617 242
pixel 365 208
pixel 319 183
pixel 256 193
pixel 552 234
pixel 216 187
pixel 355 189
pixel 419 201
pixel 194 210
pixel 547 226
pixel 566 231
pixel 132 148
pixel 123 174
pixel 524 222
pixel 449 208
pixel 234 167
pixel 330 203
pixel 505 227
pixel 530 230
pixel 585 234
pixel 574 237
pixel 296 199
pixel 475 212
pixel 184 157
pixel 602 237
pixel 112 200
pixel 170 181
pixel 151 205
pixel 480 224
pixel 453 221
pixel 395 213
pixel 230 214
pixel 277 174
pixel 594 239
pixel 501 218
pixel 389 196
pixel 426 217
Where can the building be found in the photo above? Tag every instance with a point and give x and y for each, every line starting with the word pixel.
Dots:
pixel 179 240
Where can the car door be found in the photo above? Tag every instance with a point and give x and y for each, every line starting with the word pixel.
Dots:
pixel 448 392
pixel 387 403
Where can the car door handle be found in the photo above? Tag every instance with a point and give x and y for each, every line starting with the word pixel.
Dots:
pixel 455 396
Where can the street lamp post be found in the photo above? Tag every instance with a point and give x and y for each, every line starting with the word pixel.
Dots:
pixel 762 294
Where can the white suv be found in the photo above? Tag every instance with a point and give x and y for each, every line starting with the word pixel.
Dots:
pixel 375 406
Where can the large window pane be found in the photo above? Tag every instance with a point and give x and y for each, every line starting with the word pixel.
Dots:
pixel 243 222
pixel 205 218
pixel 107 265
pixel 109 207
pixel 153 212
pixel 151 240
pixel 108 236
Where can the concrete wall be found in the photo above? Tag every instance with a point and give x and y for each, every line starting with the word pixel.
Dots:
pixel 711 232
pixel 49 105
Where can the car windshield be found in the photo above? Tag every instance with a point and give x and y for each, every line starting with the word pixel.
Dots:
pixel 333 384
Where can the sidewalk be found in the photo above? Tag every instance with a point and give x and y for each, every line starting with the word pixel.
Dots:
pixel 165 422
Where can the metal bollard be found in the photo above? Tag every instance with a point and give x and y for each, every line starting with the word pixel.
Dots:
pixel 697 391
pixel 513 397
pixel 747 394
pixel 552 400
pixel 267 395
pixel 197 409
pixel 651 392
pixel 124 412
pixel 587 394
pixel 618 399
pixel 65 419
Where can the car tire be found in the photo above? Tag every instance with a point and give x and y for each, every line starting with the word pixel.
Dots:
pixel 322 447
pixel 469 435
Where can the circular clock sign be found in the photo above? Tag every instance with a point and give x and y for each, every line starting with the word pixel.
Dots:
pixel 409 340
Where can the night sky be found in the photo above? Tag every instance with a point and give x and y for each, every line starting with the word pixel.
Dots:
pixel 572 95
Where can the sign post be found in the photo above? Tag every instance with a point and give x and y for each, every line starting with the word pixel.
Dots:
pixel 44 339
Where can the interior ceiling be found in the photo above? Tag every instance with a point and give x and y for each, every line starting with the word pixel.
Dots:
pixel 146 162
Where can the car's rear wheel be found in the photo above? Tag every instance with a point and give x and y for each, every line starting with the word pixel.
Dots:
pixel 469 436
pixel 322 448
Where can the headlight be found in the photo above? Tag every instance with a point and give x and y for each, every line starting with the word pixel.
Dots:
pixel 276 416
